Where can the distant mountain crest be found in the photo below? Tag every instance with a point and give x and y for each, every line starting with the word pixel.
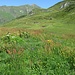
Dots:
pixel 35 6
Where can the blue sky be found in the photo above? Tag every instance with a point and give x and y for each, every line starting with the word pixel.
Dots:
pixel 41 3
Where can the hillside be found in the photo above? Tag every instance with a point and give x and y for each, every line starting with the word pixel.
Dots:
pixel 7 13
pixel 40 43
pixel 46 18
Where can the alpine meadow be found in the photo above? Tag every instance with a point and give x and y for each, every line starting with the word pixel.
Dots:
pixel 38 41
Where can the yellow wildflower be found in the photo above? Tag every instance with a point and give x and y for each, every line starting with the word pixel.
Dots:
pixel 50 41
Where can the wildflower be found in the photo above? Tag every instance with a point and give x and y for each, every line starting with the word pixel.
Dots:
pixel 13 37
pixel 50 41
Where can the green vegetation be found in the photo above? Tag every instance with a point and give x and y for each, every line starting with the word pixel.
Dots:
pixel 4 17
pixel 8 13
pixel 27 54
pixel 39 44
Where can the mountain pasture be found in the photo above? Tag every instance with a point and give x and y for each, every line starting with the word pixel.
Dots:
pixel 39 44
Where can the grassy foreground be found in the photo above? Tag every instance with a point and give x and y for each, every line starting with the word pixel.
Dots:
pixel 37 54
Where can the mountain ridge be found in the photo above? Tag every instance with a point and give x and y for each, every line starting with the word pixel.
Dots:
pixel 63 15
pixel 15 11
pixel 55 12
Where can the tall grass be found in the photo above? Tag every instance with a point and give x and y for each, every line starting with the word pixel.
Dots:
pixel 26 54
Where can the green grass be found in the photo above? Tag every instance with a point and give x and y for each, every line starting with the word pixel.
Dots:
pixel 5 17
pixel 42 44
pixel 27 54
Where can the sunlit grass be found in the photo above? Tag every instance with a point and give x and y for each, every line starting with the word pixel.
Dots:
pixel 28 54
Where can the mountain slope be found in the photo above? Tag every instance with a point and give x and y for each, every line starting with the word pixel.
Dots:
pixel 47 14
pixel 8 13
pixel 62 20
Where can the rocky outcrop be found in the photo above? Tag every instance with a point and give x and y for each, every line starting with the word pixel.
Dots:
pixel 65 5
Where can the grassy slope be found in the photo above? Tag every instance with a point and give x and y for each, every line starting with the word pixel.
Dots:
pixel 4 17
pixel 60 21
pixel 7 13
